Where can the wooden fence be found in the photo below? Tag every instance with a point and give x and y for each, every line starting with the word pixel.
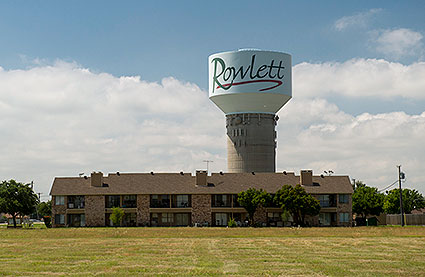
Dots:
pixel 409 219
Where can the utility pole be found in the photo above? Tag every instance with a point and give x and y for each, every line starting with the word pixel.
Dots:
pixel 401 195
pixel 39 200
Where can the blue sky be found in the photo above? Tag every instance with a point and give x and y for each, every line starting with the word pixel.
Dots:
pixel 173 38
pixel 348 54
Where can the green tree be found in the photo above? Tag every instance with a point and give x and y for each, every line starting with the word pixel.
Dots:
pixel 44 209
pixel 297 202
pixel 117 215
pixel 251 199
pixel 412 200
pixel 17 199
pixel 367 201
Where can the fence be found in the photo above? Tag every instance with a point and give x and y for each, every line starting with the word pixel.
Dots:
pixel 409 219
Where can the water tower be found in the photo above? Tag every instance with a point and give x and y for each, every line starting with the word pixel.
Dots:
pixel 250 87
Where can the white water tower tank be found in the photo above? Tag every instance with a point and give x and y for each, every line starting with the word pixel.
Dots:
pixel 250 87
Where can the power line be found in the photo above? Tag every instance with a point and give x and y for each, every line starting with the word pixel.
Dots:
pixel 395 182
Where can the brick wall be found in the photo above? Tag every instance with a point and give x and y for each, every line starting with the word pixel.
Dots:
pixel 345 208
pixel 95 210
pixel 143 215
pixel 57 209
pixel 201 208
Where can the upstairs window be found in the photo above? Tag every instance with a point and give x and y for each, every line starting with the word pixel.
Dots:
pixel 76 202
pixel 160 201
pixel 221 200
pixel 129 201
pixel 343 199
pixel 59 200
pixel 235 201
pixel 327 200
pixel 181 201
pixel 112 201
pixel 324 200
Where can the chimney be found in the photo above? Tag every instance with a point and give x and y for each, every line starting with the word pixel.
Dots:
pixel 306 177
pixel 201 177
pixel 96 179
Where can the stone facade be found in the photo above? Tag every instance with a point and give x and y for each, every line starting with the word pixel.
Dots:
pixel 201 209
pixel 95 210
pixel 345 208
pixel 57 209
pixel 143 216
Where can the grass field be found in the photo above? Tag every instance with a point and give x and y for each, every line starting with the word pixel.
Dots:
pixel 364 251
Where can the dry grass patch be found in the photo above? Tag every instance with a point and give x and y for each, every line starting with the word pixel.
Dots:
pixel 213 251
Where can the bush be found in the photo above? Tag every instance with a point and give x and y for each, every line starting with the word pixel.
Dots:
pixel 47 221
pixel 116 216
pixel 231 223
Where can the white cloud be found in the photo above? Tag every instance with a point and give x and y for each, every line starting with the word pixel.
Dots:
pixel 315 134
pixel 359 78
pixel 397 43
pixel 62 119
pixel 356 20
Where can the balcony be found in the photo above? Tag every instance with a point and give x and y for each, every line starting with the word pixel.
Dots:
pixel 221 200
pixel 76 202
pixel 181 201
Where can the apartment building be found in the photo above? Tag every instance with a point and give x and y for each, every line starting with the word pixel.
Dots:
pixel 183 199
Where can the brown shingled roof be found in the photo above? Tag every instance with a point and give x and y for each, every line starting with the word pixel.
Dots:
pixel 175 183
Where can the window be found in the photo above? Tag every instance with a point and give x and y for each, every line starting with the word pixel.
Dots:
pixel 181 201
pixel 154 219
pixel 221 200
pixel 182 219
pixel 154 201
pixel 160 201
pixel 129 220
pixel 108 221
pixel 76 202
pixel 221 219
pixel 235 201
pixel 344 217
pixel 274 216
pixel 59 200
pixel 59 219
pixel 275 219
pixel 324 219
pixel 112 201
pixel 129 201
pixel 343 199
pixel 327 200
pixel 324 200
pixel 76 220
pixel 167 218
